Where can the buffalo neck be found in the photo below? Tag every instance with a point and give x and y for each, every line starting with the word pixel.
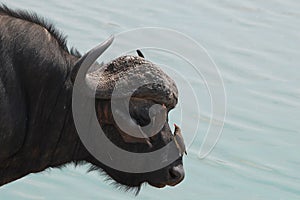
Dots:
pixel 51 139
pixel 36 66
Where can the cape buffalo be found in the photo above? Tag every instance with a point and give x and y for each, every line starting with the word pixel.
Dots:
pixel 37 130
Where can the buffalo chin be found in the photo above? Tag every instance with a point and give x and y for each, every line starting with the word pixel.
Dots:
pixel 157 185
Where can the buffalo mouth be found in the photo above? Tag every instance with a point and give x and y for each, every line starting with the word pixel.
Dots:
pixel 162 185
pixel 175 176
pixel 158 185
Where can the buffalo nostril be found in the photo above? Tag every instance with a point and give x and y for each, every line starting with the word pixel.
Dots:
pixel 177 172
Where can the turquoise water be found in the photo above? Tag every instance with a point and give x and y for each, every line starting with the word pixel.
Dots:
pixel 255 44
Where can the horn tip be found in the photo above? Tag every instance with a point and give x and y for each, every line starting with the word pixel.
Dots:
pixel 110 39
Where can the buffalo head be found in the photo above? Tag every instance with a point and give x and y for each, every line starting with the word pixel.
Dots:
pixel 161 91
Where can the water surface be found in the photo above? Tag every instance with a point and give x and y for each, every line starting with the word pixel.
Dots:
pixel 255 44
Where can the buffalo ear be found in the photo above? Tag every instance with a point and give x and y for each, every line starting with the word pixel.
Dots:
pixel 140 54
